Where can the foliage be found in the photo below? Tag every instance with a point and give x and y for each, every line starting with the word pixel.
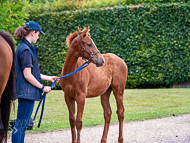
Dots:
pixel 40 6
pixel 12 15
pixel 153 40
pixel 138 104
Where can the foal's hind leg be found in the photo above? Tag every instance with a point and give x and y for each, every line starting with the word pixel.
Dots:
pixel 71 106
pixel 107 113
pixel 118 93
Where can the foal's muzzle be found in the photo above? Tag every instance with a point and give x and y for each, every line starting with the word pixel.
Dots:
pixel 99 61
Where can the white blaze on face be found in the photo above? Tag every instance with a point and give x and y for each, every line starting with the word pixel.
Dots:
pixel 93 43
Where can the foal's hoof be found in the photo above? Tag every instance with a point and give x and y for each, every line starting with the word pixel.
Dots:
pixel 120 140
pixel 103 141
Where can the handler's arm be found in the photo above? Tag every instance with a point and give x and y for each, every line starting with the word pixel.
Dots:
pixel 49 78
pixel 32 80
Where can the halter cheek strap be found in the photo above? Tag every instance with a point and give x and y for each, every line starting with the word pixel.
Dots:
pixel 84 50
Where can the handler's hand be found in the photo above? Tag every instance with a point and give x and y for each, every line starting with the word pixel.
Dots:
pixel 53 78
pixel 47 89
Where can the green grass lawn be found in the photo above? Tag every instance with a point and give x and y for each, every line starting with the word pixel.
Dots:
pixel 139 104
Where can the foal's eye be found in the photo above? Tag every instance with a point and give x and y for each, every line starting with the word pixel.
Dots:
pixel 89 45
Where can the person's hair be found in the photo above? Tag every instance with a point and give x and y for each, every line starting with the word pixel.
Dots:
pixel 22 31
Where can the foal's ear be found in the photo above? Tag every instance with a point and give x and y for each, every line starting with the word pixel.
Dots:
pixel 85 32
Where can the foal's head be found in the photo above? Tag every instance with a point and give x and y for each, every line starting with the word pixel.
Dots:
pixel 85 46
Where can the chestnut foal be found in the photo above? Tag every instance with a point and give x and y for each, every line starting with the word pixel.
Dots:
pixel 105 73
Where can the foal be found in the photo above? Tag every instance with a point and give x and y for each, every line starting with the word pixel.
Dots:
pixel 106 73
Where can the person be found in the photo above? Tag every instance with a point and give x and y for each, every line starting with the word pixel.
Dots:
pixel 28 83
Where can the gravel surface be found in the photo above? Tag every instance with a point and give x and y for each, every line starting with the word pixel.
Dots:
pixel 175 129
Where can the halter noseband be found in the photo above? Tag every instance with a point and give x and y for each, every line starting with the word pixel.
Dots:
pixel 84 50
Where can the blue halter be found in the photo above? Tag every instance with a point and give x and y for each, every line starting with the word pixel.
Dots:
pixel 53 84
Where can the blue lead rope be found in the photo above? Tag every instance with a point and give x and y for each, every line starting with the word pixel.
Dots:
pixel 52 86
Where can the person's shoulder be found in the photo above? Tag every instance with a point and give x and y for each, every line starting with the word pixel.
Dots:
pixel 26 52
pixel 22 47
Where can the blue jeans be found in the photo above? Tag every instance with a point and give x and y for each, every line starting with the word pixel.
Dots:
pixel 25 108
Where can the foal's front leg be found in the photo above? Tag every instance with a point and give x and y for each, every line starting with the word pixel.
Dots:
pixel 71 107
pixel 107 114
pixel 80 109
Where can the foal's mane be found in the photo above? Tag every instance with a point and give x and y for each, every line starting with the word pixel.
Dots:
pixel 72 36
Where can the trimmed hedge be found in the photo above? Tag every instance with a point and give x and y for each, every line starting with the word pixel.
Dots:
pixel 152 40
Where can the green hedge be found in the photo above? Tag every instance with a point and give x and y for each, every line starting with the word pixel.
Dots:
pixel 152 40
pixel 12 15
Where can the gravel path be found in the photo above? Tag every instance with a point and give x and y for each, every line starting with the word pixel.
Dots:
pixel 175 129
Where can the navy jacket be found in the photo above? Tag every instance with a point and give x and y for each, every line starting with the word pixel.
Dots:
pixel 24 89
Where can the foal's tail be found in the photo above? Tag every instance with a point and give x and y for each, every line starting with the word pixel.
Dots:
pixel 8 93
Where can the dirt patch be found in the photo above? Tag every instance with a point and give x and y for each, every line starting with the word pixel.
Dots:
pixel 175 129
